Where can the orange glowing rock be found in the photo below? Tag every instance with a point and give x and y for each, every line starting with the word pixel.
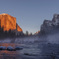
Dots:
pixel 8 22
pixel 18 28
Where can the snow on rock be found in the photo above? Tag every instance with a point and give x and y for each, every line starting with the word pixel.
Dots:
pixel 49 25
pixel 50 30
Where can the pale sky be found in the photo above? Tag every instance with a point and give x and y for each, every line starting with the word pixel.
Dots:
pixel 30 14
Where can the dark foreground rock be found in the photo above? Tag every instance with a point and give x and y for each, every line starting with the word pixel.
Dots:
pixel 2 48
pixel 18 48
pixel 10 48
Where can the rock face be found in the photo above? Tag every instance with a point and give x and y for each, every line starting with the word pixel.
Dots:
pixel 49 26
pixel 18 28
pixel 8 22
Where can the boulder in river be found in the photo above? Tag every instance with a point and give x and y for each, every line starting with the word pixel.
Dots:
pixel 2 48
pixel 18 48
pixel 10 48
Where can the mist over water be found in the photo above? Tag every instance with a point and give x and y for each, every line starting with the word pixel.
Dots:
pixel 29 44
pixel 53 38
pixel 34 47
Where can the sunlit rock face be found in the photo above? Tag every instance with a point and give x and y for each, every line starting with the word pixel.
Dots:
pixel 8 22
pixel 18 28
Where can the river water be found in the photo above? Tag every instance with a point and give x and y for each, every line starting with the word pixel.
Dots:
pixel 31 50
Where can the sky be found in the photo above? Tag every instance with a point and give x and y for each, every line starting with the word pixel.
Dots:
pixel 30 14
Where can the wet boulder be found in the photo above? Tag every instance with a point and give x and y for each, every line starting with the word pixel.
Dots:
pixel 2 48
pixel 18 48
pixel 10 48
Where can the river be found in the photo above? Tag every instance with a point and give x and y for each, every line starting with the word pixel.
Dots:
pixel 32 49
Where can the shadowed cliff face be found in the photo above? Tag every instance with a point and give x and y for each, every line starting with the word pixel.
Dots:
pixel 8 22
pixel 50 25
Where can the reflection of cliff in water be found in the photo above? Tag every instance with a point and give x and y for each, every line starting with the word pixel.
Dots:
pixel 4 54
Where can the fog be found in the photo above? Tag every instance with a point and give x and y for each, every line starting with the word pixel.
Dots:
pixel 30 39
pixel 53 38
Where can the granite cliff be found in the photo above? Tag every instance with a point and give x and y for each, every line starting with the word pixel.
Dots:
pixel 8 22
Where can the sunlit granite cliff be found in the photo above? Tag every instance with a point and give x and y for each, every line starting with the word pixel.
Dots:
pixel 8 22
pixel 9 27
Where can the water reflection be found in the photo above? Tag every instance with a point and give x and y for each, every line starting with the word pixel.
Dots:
pixel 4 54
pixel 30 51
pixel 8 44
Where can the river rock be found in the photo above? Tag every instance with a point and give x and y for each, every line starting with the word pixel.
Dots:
pixel 2 48
pixel 18 48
